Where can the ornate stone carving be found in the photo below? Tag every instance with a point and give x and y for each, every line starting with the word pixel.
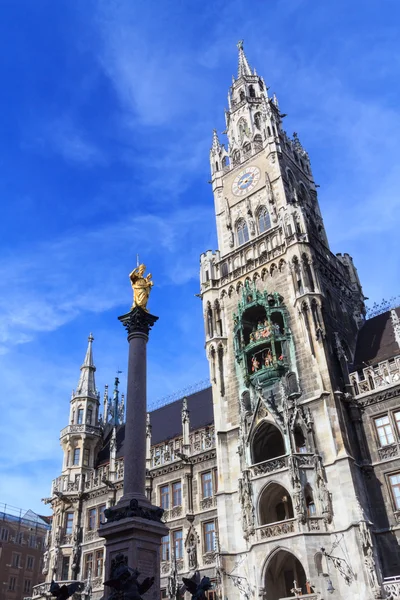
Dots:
pixel 324 495
pixel 246 501
pixel 369 560
pixel 269 466
pixel 138 320
pixel 388 451
pixel 133 510
pixel 277 529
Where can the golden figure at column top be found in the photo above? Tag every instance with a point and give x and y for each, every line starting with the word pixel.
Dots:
pixel 141 287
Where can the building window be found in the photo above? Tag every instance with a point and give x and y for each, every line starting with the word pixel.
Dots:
pixel 397 418
pixel 80 416
pixel 178 543
pixel 65 568
pixel 165 547
pixel 163 594
pixel 88 562
pixel 384 430
pixel 68 458
pixel 4 534
pixel 177 494
pixel 242 232
pixel 69 521
pixel 11 584
pixel 30 561
pixel 209 536
pixel 102 516
pixel 89 415
pixel 27 586
pixel 32 541
pixel 212 594
pixel 207 484
pixel 92 518
pixel 86 456
pixel 20 538
pixel 77 456
pixel 264 220
pixel 395 485
pixel 16 559
pixel 164 497
pixel 99 563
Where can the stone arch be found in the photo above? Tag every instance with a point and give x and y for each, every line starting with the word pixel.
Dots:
pixel 273 268
pixel 274 504
pixel 239 286
pixel 264 274
pixel 230 291
pixel 291 179
pixel 256 276
pixel 282 265
pixel 267 442
pixel 281 570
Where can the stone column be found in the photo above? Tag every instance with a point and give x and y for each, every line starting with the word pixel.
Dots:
pixel 133 529
pixel 138 324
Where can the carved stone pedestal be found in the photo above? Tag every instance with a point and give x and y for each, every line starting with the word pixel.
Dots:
pixel 139 540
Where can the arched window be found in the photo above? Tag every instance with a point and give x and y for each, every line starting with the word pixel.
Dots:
pixel 225 161
pixel 291 178
pixel 311 508
pixel 257 120
pixel 224 269
pixel 260 83
pixel 308 273
pixel 267 443
pixel 257 142
pixel 299 440
pixel 275 504
pixel 242 95
pixel 89 414
pixel 246 148
pixel 243 129
pixel 236 157
pixel 264 220
pixel 216 166
pixel 212 361
pixel 269 131
pixel 355 386
pixel 242 232
pixel 221 369
pixel 210 330
pixel 252 92
pixel 218 319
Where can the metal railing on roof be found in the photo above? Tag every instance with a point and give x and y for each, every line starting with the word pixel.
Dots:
pixel 382 307
pixel 187 391
pixel 12 514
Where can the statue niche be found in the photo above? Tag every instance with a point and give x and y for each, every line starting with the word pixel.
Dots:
pixel 261 336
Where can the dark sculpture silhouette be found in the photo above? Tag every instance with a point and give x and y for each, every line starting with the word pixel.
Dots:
pixel 62 592
pixel 198 590
pixel 125 582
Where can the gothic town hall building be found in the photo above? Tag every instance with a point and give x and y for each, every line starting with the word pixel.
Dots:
pixel 281 479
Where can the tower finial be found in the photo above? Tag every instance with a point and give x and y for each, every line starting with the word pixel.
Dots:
pixel 244 67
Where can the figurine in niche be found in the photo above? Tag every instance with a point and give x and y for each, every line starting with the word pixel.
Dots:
pixel 268 359
pixel 249 298
pixel 255 365
pixel 277 329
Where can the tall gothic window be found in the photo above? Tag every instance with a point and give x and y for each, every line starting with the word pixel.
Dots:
pixel 257 120
pixel 236 157
pixel 221 370
pixel 264 221
pixel 242 232
pixel 252 92
pixel 210 330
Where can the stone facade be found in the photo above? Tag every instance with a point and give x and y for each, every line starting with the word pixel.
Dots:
pixel 282 479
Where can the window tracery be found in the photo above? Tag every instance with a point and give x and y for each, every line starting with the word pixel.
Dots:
pixel 264 220
pixel 242 232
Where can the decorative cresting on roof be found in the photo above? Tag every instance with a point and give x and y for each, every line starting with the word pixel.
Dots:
pixel 86 384
pixel 261 335
pixel 244 67
pixel 382 307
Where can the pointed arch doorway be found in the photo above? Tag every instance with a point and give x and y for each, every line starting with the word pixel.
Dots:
pixel 283 570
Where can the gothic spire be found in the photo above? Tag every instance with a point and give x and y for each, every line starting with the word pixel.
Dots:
pixel 244 67
pixel 86 384
pixel 216 145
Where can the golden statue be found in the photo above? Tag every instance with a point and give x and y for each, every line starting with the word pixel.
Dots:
pixel 141 287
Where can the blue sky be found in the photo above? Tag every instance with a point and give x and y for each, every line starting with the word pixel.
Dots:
pixel 106 114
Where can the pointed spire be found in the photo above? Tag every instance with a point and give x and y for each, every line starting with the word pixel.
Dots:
pixel 244 67
pixel 216 145
pixel 86 385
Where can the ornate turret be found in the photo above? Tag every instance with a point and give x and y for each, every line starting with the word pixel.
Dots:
pixel 80 439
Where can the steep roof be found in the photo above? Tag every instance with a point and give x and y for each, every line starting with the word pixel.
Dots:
pixel 166 422
pixel 377 340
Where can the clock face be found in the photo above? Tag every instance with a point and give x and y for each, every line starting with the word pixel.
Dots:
pixel 246 181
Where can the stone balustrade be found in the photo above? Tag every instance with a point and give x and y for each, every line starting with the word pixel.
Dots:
pixel 278 529
pixel 269 466
pixel 207 503
pixel 302 597
pixel 387 452
pixel 376 377
pixel 391 586
pixel 81 428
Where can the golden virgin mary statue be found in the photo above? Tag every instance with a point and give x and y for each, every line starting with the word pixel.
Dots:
pixel 141 287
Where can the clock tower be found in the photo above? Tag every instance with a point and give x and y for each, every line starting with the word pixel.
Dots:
pixel 281 317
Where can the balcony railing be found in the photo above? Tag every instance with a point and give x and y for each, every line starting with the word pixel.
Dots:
pixel 374 378
pixel 81 428
pixel 270 466
pixel 278 529
pixel 391 585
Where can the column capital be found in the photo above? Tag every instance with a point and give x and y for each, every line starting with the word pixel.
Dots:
pixel 138 321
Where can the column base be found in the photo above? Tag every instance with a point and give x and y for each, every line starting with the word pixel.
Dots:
pixel 138 539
